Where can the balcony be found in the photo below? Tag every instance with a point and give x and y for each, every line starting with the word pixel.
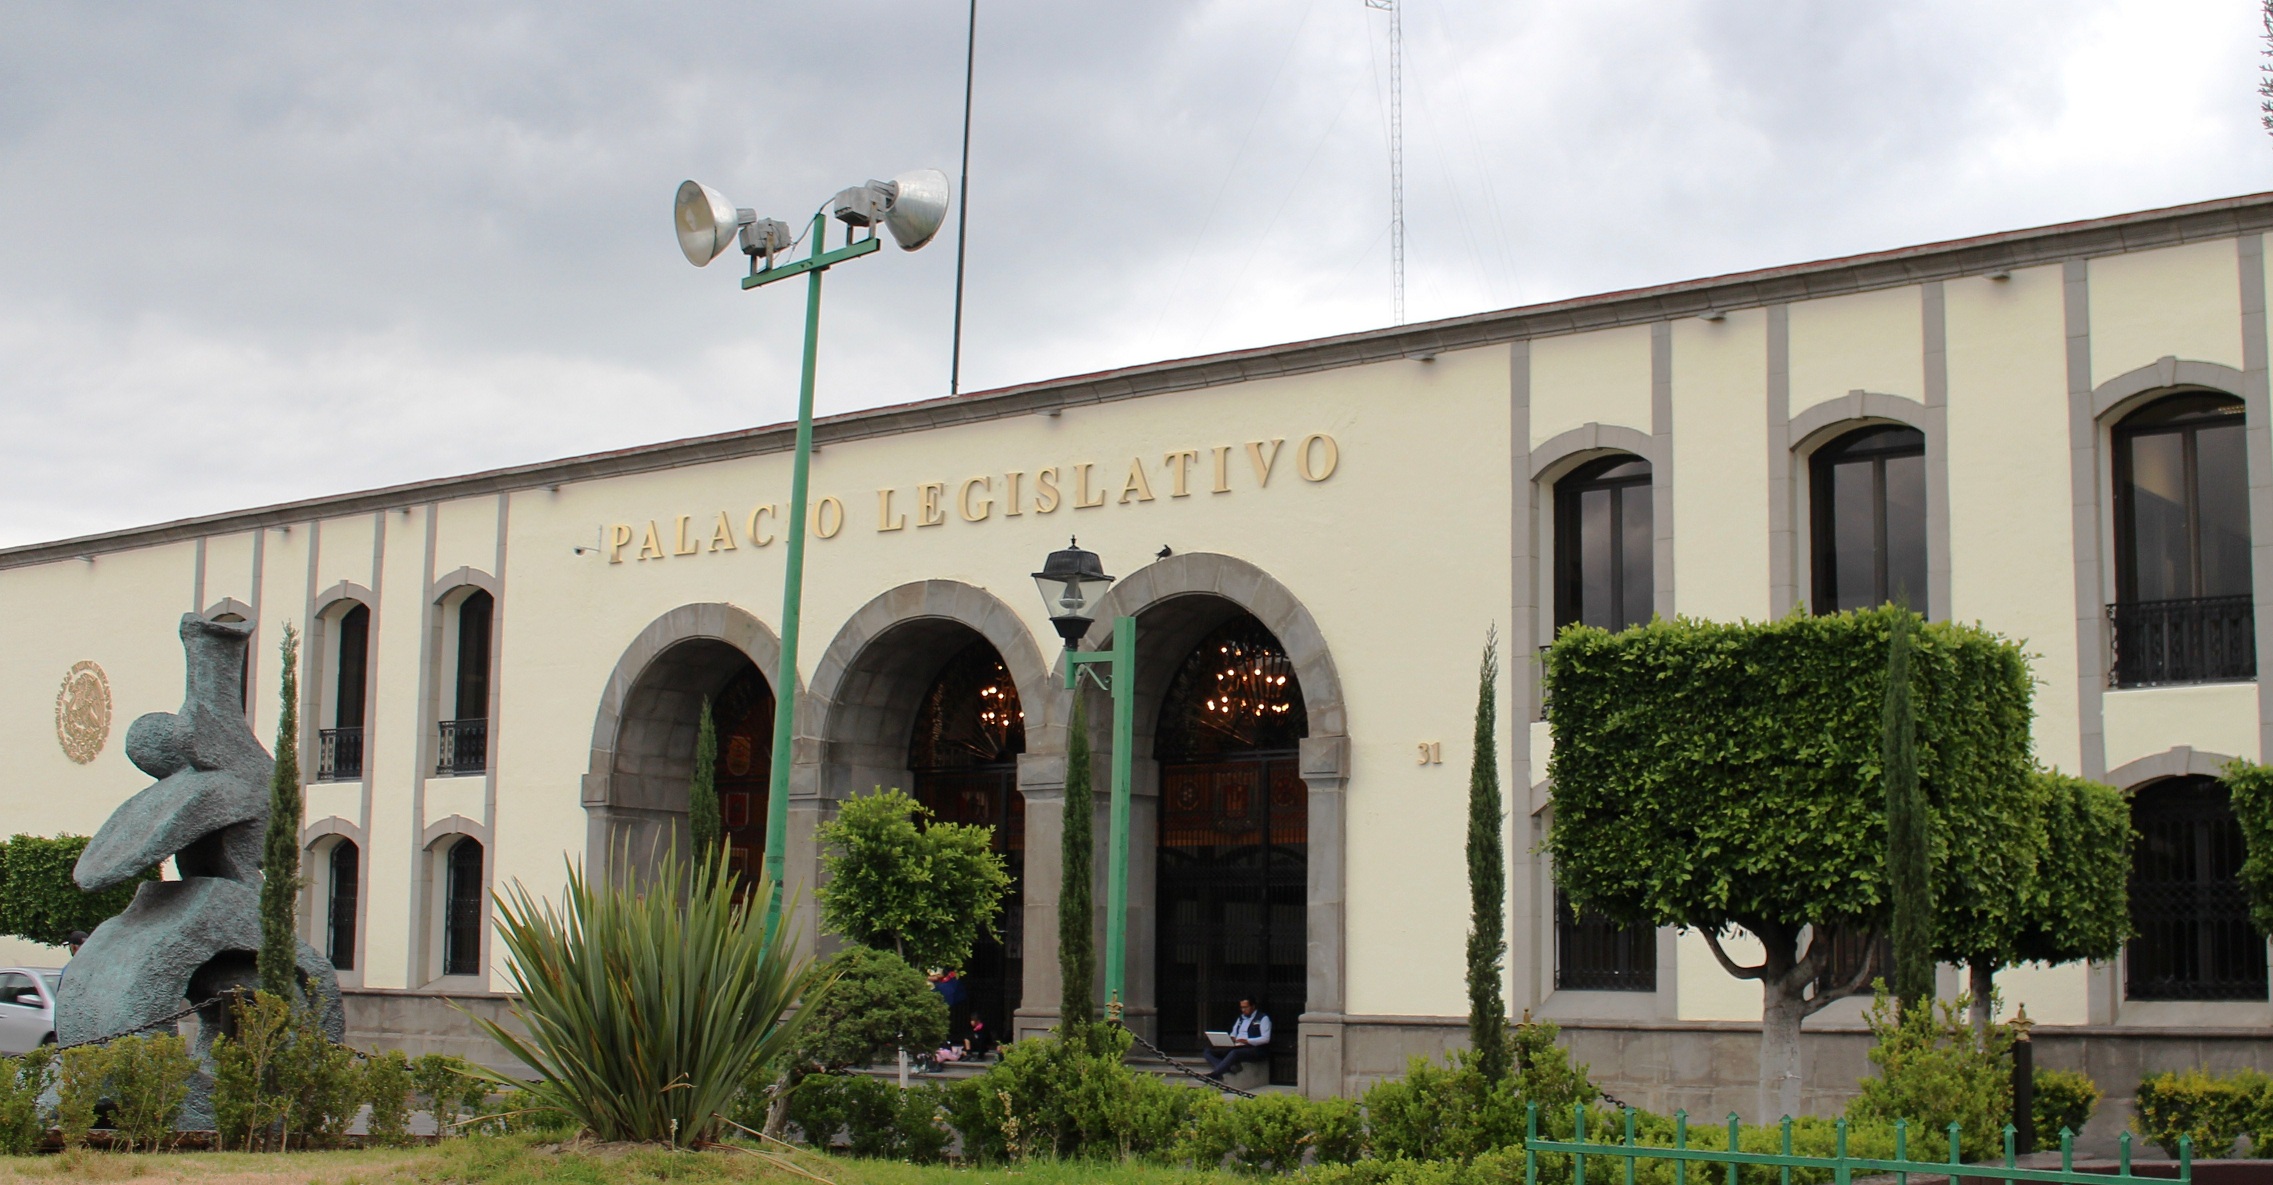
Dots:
pixel 464 748
pixel 2194 640
pixel 339 756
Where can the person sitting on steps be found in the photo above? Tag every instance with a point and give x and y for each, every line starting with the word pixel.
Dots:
pixel 1250 1041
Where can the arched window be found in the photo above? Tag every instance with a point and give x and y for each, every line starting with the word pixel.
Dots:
pixel 1233 871
pixel 341 756
pixel 2195 940
pixel 2182 611
pixel 963 758
pixel 344 870
pixel 1867 496
pixel 1604 542
pixel 461 901
pixel 465 736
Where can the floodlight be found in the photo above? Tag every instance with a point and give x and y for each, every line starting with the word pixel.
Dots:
pixel 706 221
pixel 918 209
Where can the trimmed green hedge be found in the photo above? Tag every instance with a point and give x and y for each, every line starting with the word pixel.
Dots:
pixel 38 898
pixel 1707 773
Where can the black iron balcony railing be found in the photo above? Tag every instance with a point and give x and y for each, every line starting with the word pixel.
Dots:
pixel 2195 640
pixel 465 748
pixel 340 755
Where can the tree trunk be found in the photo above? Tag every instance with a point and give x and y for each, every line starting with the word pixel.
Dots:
pixel 1982 975
pixel 1781 1010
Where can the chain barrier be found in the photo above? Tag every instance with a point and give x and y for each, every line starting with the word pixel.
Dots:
pixel 167 1019
pixel 1180 1067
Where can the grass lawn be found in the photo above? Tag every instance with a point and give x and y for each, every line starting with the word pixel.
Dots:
pixel 529 1160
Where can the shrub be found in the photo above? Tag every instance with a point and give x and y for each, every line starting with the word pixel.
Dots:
pixel 325 1082
pixel 39 900
pixel 1933 1072
pixel 926 892
pixel 1271 1134
pixel 646 1007
pixel 2215 1111
pixel 1068 1095
pixel 1454 1112
pixel 386 1086
pixel 874 1004
pixel 247 1104
pixel 149 1081
pixel 449 1088
pixel 22 1079
pixel 2064 1101
pixel 877 1118
pixel 79 1090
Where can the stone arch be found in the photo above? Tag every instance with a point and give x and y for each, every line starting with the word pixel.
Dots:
pixel 1567 450
pixel 2176 762
pixel 463 577
pixel 227 606
pixel 643 733
pixel 1177 600
pixel 2119 396
pixel 1833 418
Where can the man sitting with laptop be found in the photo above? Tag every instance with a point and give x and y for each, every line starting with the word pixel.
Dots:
pixel 1249 1040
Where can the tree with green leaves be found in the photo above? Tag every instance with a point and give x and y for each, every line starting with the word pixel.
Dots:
pixel 1909 879
pixel 1725 777
pixel 39 900
pixel 1487 877
pixel 279 959
pixel 2079 902
pixel 1077 942
pixel 2251 787
pixel 703 824
pixel 924 892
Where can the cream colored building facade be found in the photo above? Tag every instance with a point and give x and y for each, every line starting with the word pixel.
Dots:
pixel 1375 502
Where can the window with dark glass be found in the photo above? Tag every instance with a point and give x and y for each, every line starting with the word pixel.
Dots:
pixel 2182 611
pixel 346 873
pixel 341 758
pixel 461 922
pixel 1594 954
pixel 1850 948
pixel 1603 545
pixel 2193 938
pixel 1867 496
pixel 465 737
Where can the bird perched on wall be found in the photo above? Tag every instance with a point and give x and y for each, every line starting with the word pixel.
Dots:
pixel 1164 552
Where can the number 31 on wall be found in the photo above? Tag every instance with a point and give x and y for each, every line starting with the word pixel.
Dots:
pixel 1432 753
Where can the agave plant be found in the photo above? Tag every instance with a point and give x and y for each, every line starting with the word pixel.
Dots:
pixel 647 1006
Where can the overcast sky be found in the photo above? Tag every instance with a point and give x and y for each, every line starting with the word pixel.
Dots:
pixel 251 253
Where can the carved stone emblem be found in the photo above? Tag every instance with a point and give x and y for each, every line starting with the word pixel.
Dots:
pixel 82 712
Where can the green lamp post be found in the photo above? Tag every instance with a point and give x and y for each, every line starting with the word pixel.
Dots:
pixel 1072 580
pixel 912 207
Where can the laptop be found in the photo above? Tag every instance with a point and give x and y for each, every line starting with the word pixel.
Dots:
pixel 1217 1039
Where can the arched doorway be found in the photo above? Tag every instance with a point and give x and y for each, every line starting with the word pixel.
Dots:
pixel 963 762
pixel 1233 855
pixel 644 808
pixel 743 715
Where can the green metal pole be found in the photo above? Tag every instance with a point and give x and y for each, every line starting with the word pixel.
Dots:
pixel 1124 739
pixel 792 600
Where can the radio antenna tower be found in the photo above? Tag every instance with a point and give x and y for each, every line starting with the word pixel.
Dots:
pixel 1396 156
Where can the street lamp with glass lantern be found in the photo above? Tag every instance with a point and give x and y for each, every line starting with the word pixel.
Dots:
pixel 911 207
pixel 1072 581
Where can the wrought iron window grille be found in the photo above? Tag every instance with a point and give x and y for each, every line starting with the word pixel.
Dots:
pixel 339 756
pixel 464 748
pixel 2189 640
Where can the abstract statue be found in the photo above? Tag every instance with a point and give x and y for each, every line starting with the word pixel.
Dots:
pixel 194 939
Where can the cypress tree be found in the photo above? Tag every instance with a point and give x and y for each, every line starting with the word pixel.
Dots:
pixel 1077 953
pixel 280 854
pixel 1487 878
pixel 1908 878
pixel 702 794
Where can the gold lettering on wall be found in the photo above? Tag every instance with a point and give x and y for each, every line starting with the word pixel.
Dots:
pixel 977 499
pixel 1136 485
pixel 1081 487
pixel 1262 461
pixel 1179 471
pixel 963 500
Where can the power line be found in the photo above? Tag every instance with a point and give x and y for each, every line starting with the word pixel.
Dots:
pixel 1396 157
pixel 963 207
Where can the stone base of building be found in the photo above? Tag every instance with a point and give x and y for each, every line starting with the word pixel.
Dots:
pixel 430 1022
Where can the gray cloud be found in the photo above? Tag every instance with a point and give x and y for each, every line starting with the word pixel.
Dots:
pixel 251 253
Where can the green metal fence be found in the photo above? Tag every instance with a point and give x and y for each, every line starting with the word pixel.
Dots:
pixel 1839 1167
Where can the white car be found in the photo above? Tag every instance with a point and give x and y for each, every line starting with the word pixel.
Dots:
pixel 27 1007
